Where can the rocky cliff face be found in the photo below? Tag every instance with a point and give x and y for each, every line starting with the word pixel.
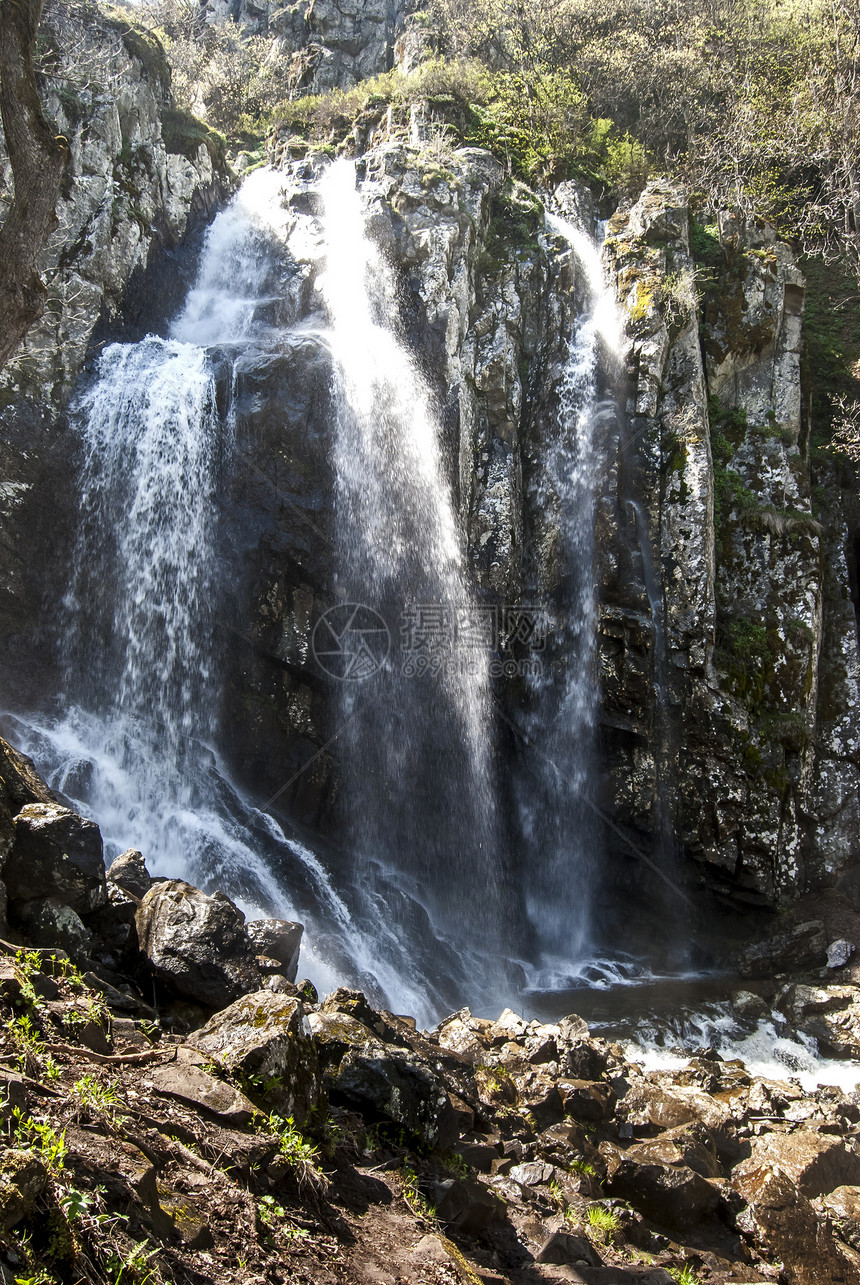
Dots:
pixel 760 634
pixel 142 176
pixel 727 638
pixel 332 44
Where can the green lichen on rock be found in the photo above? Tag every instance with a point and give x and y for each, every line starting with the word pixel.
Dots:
pixel 184 133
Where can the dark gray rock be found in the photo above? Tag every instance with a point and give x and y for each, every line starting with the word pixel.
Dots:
pixel 468 1206
pixel 802 946
pixel 56 853
pixel 129 873
pixel 49 921
pixel 563 1247
pixel 673 1195
pixel 278 939
pixel 196 944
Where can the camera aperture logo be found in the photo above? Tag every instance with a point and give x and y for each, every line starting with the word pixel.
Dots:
pixel 351 642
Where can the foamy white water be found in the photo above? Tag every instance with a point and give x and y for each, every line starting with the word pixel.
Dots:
pixel 765 1047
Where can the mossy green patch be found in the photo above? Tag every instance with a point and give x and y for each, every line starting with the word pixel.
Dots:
pixel 183 133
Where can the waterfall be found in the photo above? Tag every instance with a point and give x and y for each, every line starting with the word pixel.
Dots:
pixel 416 899
pixel 133 744
pixel 556 806
pixel 419 920
pixel 419 800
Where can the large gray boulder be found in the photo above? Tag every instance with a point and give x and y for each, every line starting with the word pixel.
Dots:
pixel 56 853
pixel 197 944
pixel 265 1038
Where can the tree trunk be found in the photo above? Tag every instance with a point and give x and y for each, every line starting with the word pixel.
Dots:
pixel 38 159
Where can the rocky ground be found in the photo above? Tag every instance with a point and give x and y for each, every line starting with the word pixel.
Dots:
pixel 177 1107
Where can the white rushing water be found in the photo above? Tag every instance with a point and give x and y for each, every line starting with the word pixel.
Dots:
pixel 133 746
pixel 557 819
pixel 419 803
pixel 766 1047
pixel 418 918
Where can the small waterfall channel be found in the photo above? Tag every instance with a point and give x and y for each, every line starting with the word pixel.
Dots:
pixel 419 797
pixel 558 816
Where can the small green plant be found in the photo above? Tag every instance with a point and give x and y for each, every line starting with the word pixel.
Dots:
pixel 38 1135
pixel 415 1200
pixel 603 1223
pixel 300 1153
pixel 27 1040
pixel 29 962
pixel 99 1099
pixel 70 973
pixel 684 1275
pixel 134 1269
pixel 557 1195
pixel 295 1233
pixel 270 1211
pixel 583 1167
pixel 456 1165
pixel 74 1203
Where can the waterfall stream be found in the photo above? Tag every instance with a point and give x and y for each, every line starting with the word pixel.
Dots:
pixel 418 799
pixel 558 816
pixel 133 745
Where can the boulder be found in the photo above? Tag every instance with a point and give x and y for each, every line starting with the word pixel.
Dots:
pixel 831 1014
pixel 672 1194
pixel 49 921
pixel 197 944
pixel 266 1038
pixel 802 946
pixel 563 1247
pixel 277 939
pixel 58 854
pixel 648 1102
pixel 839 952
pixel 395 1083
pixel 690 1144
pixel 843 1207
pixel 202 1092
pixel 23 1178
pixel 783 1223
pixel 587 1100
pixel 533 1173
pixel 817 1163
pixel 129 872
pixel 468 1206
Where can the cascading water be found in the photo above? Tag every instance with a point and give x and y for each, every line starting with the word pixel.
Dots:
pixel 557 810
pixel 418 797
pixel 420 920
pixel 133 745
